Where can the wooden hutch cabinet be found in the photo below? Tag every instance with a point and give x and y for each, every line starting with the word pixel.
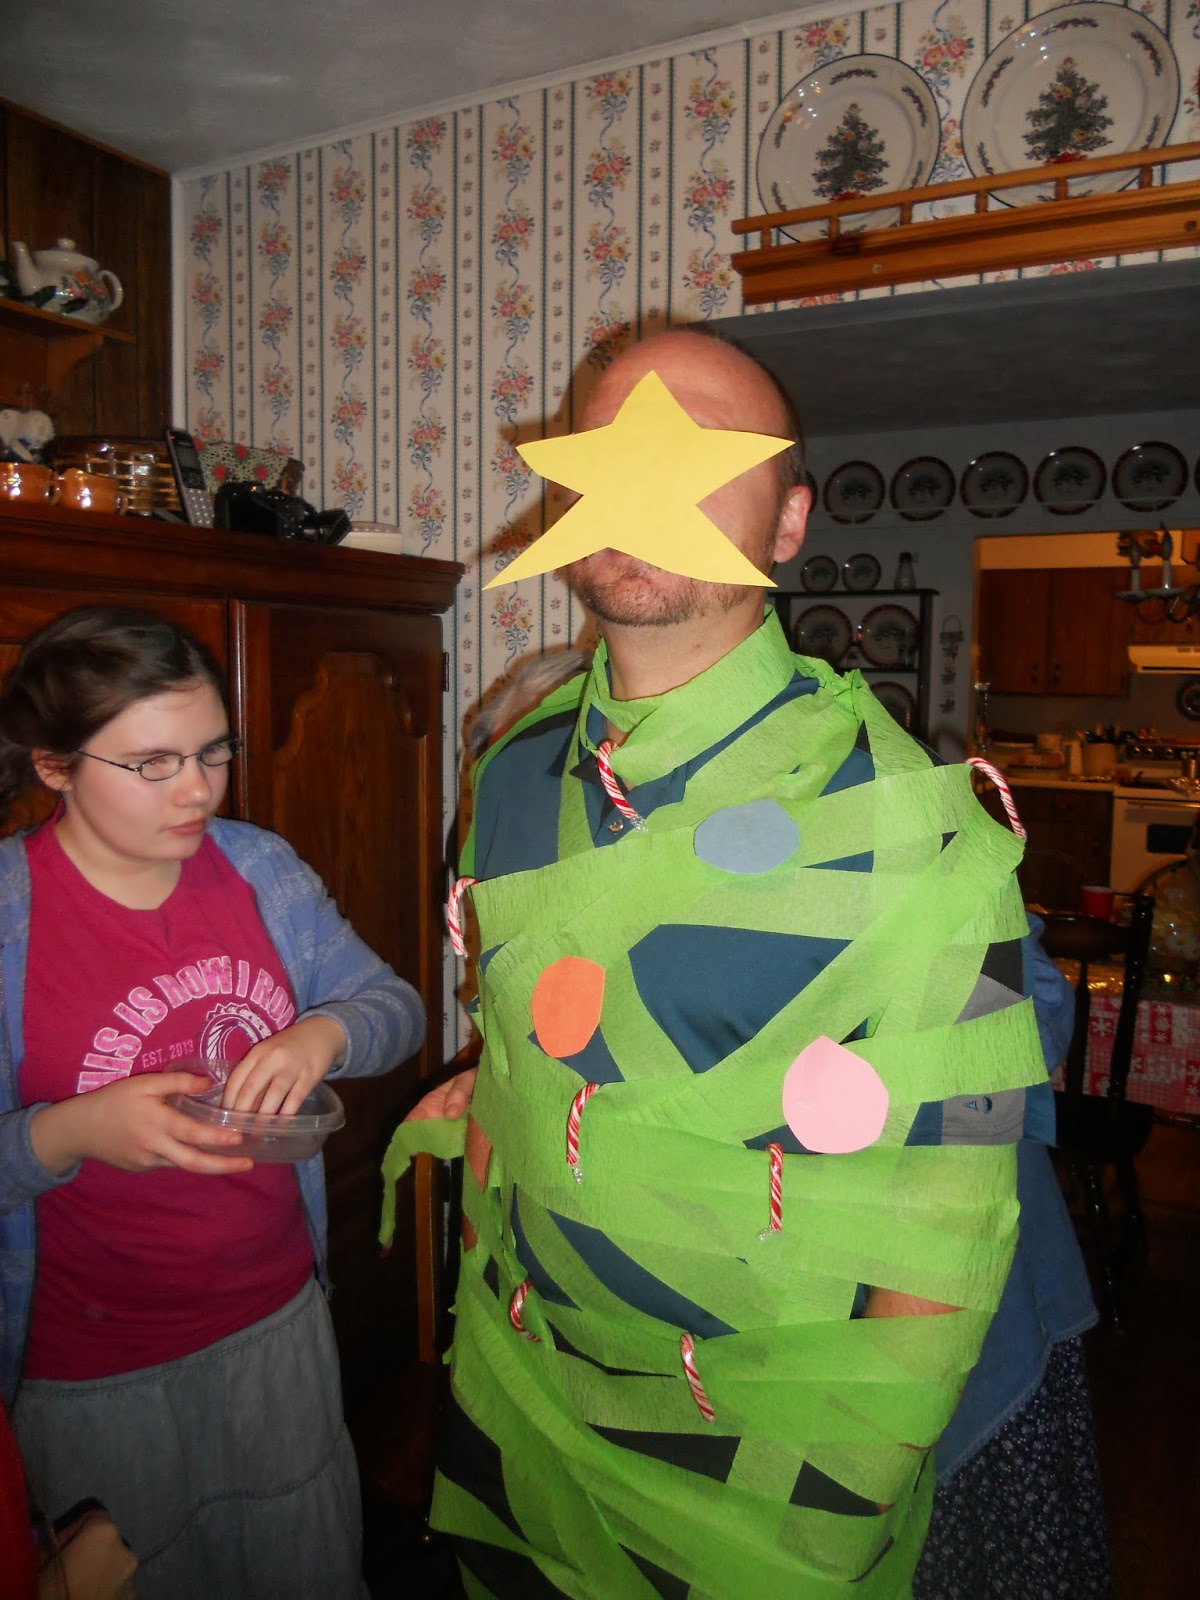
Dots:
pixel 336 675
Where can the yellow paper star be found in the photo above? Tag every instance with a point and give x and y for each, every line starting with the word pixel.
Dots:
pixel 641 479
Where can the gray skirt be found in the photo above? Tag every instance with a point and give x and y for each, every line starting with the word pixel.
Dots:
pixel 230 1472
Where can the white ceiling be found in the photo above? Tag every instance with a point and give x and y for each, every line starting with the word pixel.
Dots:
pixel 193 83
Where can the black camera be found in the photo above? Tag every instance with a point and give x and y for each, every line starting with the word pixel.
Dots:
pixel 249 508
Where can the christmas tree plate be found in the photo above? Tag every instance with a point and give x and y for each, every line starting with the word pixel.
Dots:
pixel 1149 477
pixel 888 636
pixel 896 700
pixel 994 484
pixel 1082 80
pixel 1068 481
pixel 853 492
pixel 922 488
pixel 824 632
pixel 860 125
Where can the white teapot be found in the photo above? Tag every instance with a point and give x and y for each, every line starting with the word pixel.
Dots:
pixel 81 287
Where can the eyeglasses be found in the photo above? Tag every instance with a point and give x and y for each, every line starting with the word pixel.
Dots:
pixel 169 763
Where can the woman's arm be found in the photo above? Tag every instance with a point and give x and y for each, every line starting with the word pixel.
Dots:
pixel 127 1124
pixel 335 974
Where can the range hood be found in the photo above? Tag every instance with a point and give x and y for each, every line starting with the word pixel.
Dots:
pixel 1183 658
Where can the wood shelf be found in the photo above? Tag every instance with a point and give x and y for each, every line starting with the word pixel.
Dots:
pixel 1149 216
pixel 40 349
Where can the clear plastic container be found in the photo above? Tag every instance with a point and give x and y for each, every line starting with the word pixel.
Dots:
pixel 269 1136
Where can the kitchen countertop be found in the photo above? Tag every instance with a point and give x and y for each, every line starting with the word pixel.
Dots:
pixel 1049 778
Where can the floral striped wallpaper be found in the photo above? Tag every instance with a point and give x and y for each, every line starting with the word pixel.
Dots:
pixel 398 307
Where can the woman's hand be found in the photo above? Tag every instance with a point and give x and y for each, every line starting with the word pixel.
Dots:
pixel 277 1074
pixel 128 1124
pixel 449 1099
pixel 91 1562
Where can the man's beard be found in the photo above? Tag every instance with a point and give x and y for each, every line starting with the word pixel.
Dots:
pixel 641 595
pixel 640 599
pixel 646 596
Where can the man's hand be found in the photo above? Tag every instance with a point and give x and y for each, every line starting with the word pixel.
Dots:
pixel 276 1075
pixel 129 1125
pixel 449 1099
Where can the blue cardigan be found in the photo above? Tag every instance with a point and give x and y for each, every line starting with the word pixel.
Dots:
pixel 332 973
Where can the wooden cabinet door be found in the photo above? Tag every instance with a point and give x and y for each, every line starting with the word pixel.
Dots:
pixel 24 610
pixel 341 712
pixel 1088 632
pixel 1014 612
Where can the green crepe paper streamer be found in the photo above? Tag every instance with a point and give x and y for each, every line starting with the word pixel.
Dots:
pixel 436 1136
pixel 562 1477
pixel 667 1178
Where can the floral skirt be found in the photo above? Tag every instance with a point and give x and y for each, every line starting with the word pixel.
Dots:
pixel 1024 1519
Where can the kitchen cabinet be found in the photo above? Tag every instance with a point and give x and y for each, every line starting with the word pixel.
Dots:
pixel 335 666
pixel 1070 834
pixel 1055 630
pixel 54 184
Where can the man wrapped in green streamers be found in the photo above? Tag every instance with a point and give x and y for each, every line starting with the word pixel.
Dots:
pixel 756 991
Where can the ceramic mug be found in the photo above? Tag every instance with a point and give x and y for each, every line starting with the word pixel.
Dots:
pixel 1099 759
pixel 86 491
pixel 26 480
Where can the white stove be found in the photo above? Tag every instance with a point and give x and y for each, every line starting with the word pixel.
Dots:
pixel 1152 819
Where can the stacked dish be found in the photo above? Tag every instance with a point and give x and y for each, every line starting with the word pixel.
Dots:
pixel 141 467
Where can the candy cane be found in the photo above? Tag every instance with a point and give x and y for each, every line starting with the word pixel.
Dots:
pixel 454 921
pixel 687 1350
pixel 573 1120
pixel 612 788
pixel 1006 799
pixel 775 1151
pixel 514 1310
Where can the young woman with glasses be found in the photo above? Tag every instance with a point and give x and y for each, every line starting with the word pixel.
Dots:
pixel 163 1325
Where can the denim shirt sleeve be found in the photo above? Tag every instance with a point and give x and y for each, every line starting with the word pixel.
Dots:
pixel 1053 997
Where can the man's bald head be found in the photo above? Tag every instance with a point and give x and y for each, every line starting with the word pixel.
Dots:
pixel 681 356
pixel 762 512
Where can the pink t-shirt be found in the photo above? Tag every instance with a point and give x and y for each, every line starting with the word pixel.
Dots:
pixel 137 1268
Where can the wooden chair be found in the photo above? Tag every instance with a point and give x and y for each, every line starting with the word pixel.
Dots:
pixel 1094 1133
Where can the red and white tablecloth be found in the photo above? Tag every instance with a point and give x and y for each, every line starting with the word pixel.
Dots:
pixel 1166 1052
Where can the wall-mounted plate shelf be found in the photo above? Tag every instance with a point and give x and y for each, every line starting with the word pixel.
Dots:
pixel 1149 216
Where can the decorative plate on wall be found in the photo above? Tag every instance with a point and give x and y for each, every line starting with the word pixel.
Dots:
pixel 895 699
pixel 856 126
pixel 861 572
pixel 824 632
pixel 854 492
pixel 1069 481
pixel 819 574
pixel 888 636
pixel 1149 476
pixel 994 484
pixel 1089 79
pixel 922 488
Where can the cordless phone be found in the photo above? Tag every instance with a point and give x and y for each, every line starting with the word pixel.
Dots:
pixel 189 478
